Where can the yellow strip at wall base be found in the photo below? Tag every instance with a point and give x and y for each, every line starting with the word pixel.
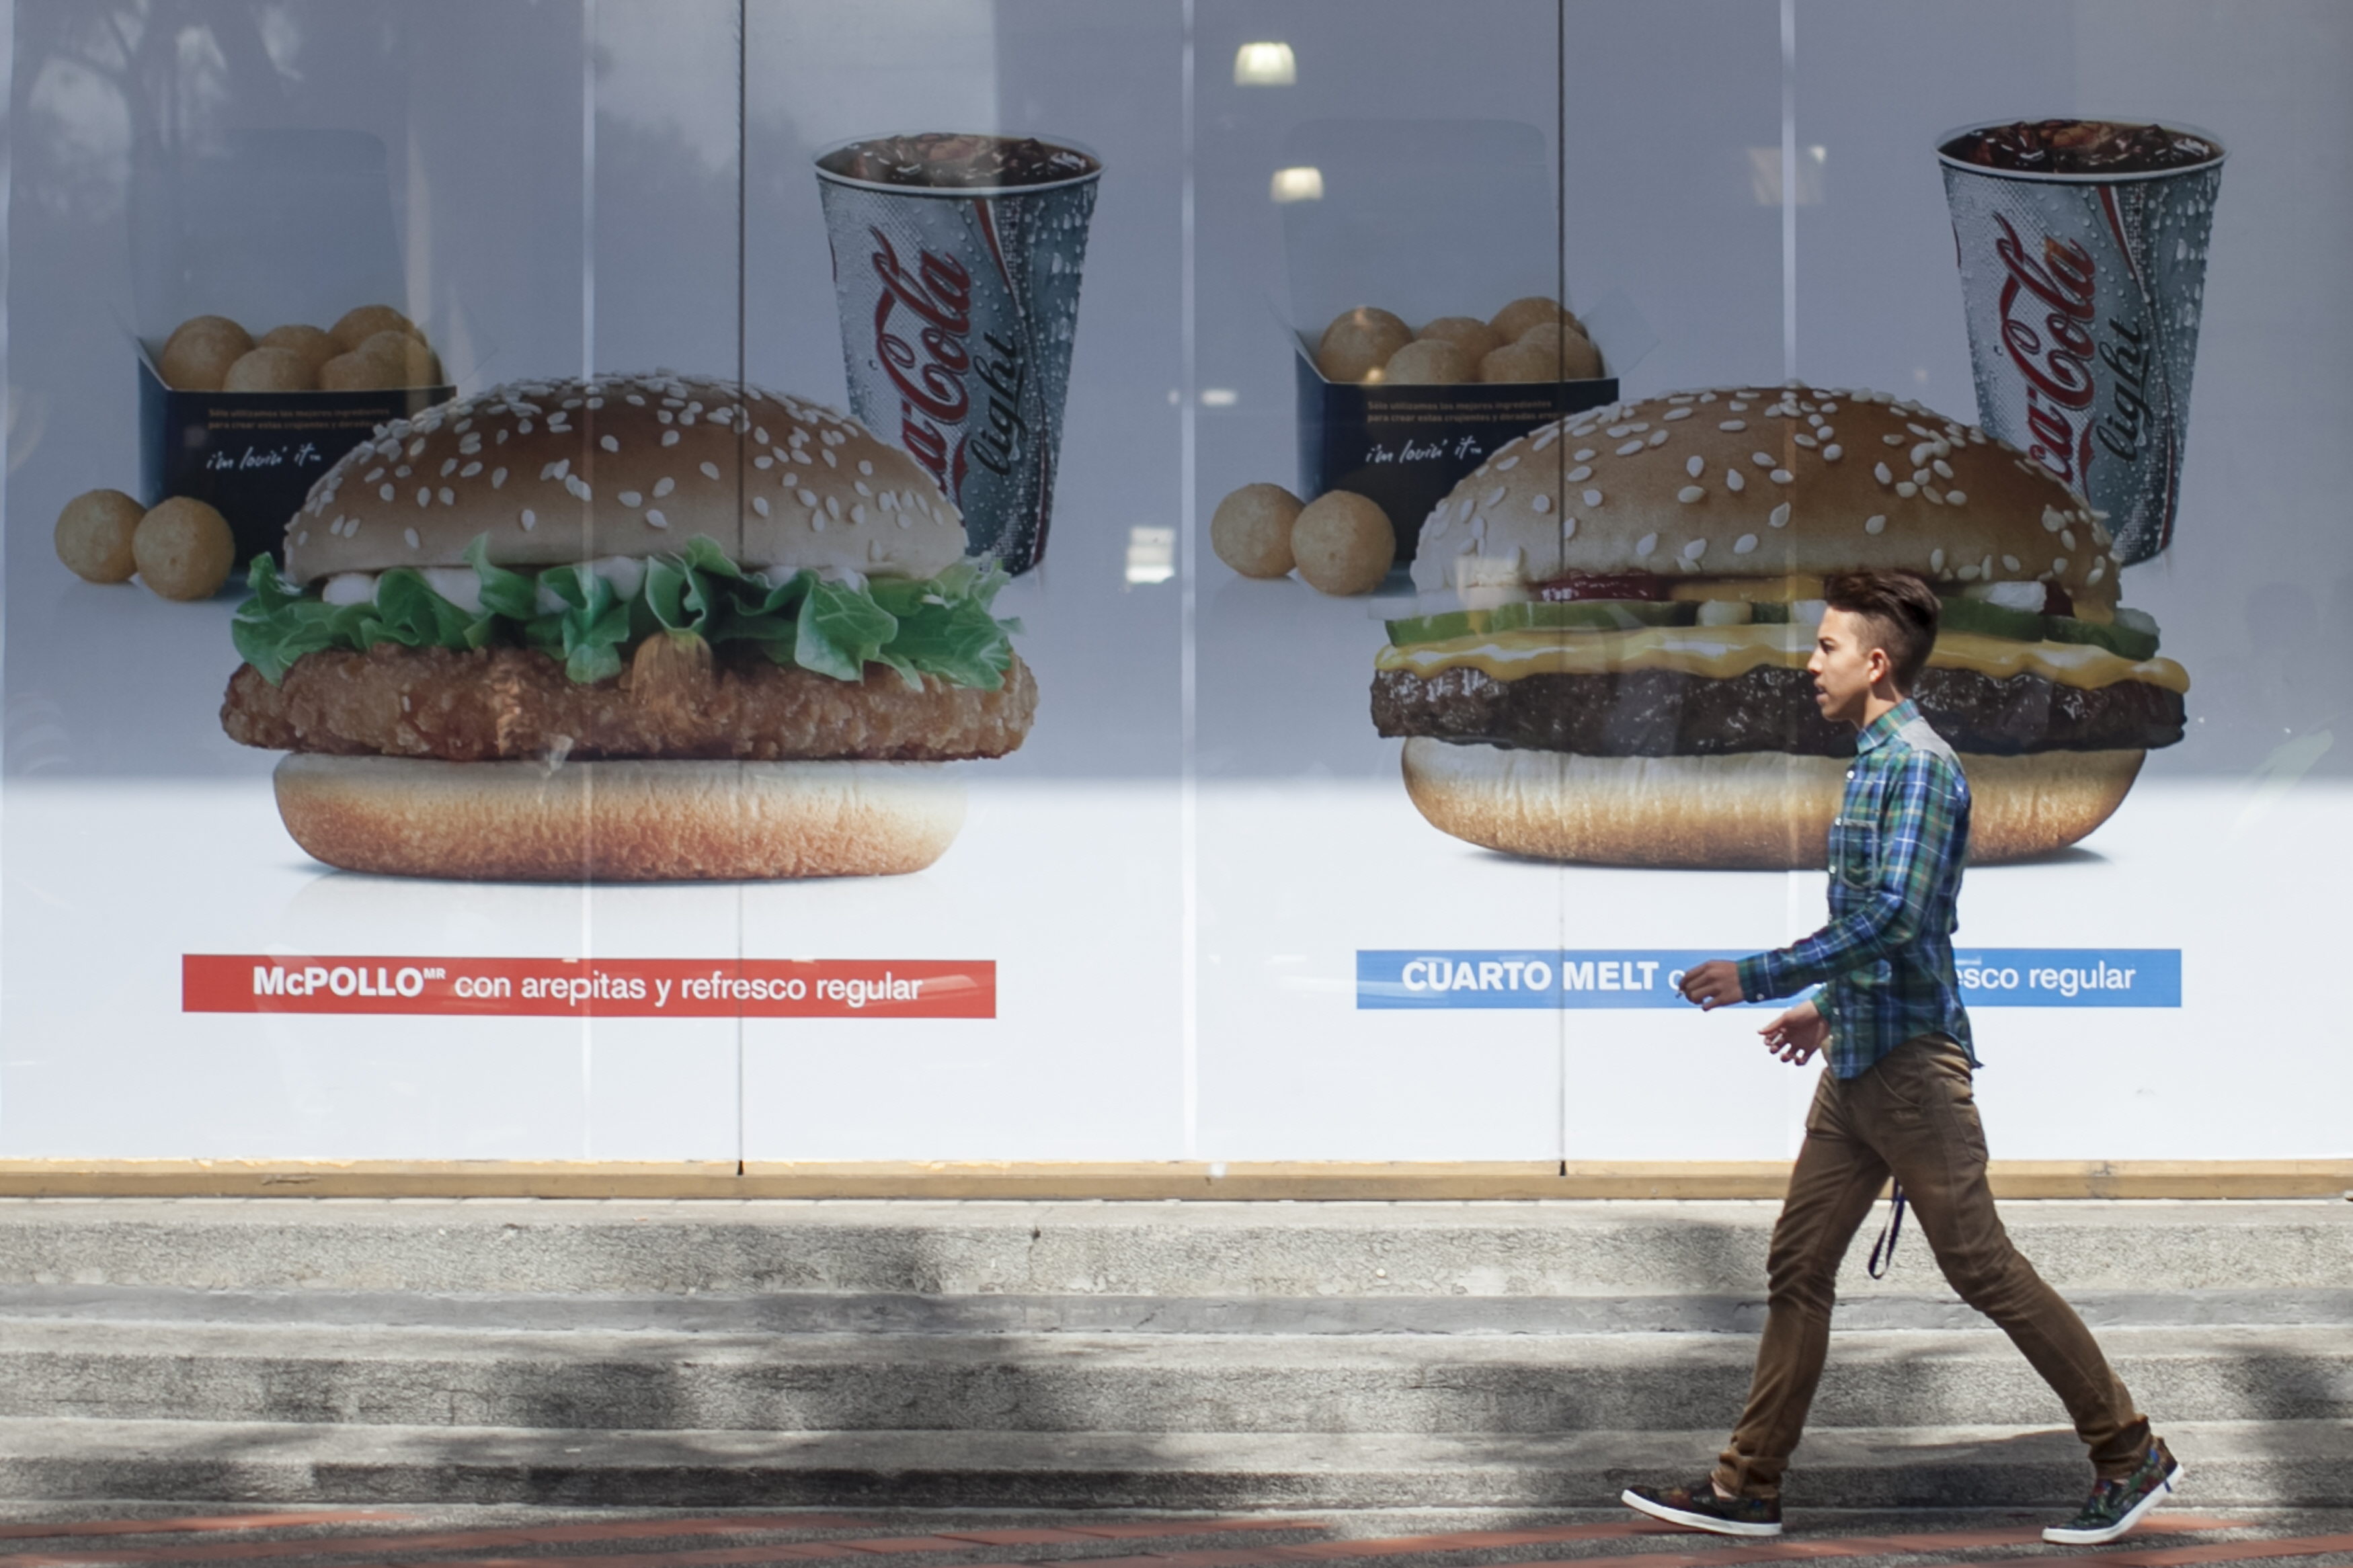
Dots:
pixel 1146 1180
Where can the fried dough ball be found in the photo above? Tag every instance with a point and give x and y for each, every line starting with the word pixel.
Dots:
pixel 94 535
pixel 1511 323
pixel 357 326
pixel 203 326
pixel 1570 349
pixel 419 364
pixel 1429 362
pixel 269 370
pixel 1343 543
pixel 184 549
pixel 1359 343
pixel 1474 336
pixel 360 373
pixel 197 356
pixel 315 346
pixel 1250 530
pixel 1518 362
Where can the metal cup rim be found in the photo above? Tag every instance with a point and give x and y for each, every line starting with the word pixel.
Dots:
pixel 964 192
pixel 2222 152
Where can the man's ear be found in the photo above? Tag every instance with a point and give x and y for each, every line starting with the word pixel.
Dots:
pixel 1879 665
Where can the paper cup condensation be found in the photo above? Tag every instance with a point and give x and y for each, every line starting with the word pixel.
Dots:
pixel 958 310
pixel 2083 295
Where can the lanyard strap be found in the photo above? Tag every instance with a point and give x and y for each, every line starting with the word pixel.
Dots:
pixel 1888 1233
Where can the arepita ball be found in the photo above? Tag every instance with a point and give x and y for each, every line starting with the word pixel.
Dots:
pixel 199 355
pixel 94 533
pixel 357 326
pixel 184 549
pixel 1343 543
pixel 1520 362
pixel 359 371
pixel 208 326
pixel 1574 355
pixel 419 364
pixel 1429 362
pixel 1359 343
pixel 269 370
pixel 315 347
pixel 1514 320
pixel 1250 530
pixel 1474 336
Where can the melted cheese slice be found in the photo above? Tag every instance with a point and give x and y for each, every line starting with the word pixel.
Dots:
pixel 1720 653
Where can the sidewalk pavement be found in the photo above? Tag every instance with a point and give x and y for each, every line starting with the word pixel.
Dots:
pixel 34 1535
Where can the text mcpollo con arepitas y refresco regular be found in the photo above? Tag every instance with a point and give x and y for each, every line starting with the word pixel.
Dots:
pixel 558 987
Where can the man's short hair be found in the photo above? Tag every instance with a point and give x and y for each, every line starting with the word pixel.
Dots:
pixel 1898 609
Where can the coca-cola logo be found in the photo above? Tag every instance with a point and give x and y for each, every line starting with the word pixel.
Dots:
pixel 929 371
pixel 2054 355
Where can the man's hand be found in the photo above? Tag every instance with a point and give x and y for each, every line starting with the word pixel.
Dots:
pixel 1715 983
pixel 1797 1034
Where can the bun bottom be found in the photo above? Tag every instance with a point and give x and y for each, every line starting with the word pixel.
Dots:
pixel 1765 810
pixel 624 821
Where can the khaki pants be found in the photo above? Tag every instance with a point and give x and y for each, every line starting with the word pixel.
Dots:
pixel 1912 1115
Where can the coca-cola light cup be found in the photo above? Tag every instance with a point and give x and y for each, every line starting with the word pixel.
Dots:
pixel 2082 253
pixel 956 262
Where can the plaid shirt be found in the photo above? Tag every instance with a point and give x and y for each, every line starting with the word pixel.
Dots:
pixel 1895 853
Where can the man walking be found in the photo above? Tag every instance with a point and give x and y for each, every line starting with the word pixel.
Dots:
pixel 1896 1099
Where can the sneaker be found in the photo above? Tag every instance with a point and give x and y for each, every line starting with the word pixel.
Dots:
pixel 2115 1507
pixel 1697 1507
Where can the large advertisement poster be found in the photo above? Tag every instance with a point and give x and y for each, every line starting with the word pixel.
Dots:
pixel 1029 581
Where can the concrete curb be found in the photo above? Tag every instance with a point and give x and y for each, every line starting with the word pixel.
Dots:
pixel 2230 1466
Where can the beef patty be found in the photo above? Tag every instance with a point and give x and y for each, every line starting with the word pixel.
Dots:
pixel 500 704
pixel 1663 713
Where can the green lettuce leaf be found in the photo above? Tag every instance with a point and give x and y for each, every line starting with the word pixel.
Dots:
pixel 841 630
pixel 508 593
pixel 945 627
pixel 411 614
pixel 941 628
pixel 588 632
pixel 278 625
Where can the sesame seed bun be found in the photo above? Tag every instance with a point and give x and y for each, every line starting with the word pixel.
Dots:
pixel 1769 482
pixel 1753 810
pixel 618 821
pixel 565 470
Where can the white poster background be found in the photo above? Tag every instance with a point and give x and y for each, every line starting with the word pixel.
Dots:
pixel 1175 875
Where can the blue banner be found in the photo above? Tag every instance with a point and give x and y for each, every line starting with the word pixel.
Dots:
pixel 1556 979
pixel 2070 976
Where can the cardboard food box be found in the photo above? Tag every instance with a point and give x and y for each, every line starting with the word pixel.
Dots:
pixel 1426 218
pixel 265 227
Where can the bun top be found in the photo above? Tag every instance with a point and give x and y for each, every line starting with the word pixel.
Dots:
pixel 561 471
pixel 1765 482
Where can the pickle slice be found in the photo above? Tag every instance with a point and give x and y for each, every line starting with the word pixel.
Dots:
pixel 2123 641
pixel 1438 628
pixel 1991 620
pixel 1591 615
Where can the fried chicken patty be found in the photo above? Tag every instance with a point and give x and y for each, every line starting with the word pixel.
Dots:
pixel 501 704
pixel 1665 713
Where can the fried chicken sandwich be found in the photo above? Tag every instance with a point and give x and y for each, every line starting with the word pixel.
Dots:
pixel 631 628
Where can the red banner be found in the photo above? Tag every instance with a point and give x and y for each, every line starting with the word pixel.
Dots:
pixel 584 987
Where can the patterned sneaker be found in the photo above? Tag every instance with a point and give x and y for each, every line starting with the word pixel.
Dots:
pixel 1696 1507
pixel 2115 1507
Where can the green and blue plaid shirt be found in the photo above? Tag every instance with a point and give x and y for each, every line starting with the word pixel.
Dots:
pixel 1885 960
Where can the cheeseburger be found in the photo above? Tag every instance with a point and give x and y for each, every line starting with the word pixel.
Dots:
pixel 1607 657
pixel 631 628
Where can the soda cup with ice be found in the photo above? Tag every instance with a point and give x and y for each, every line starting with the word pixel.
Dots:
pixel 2083 254
pixel 955 263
